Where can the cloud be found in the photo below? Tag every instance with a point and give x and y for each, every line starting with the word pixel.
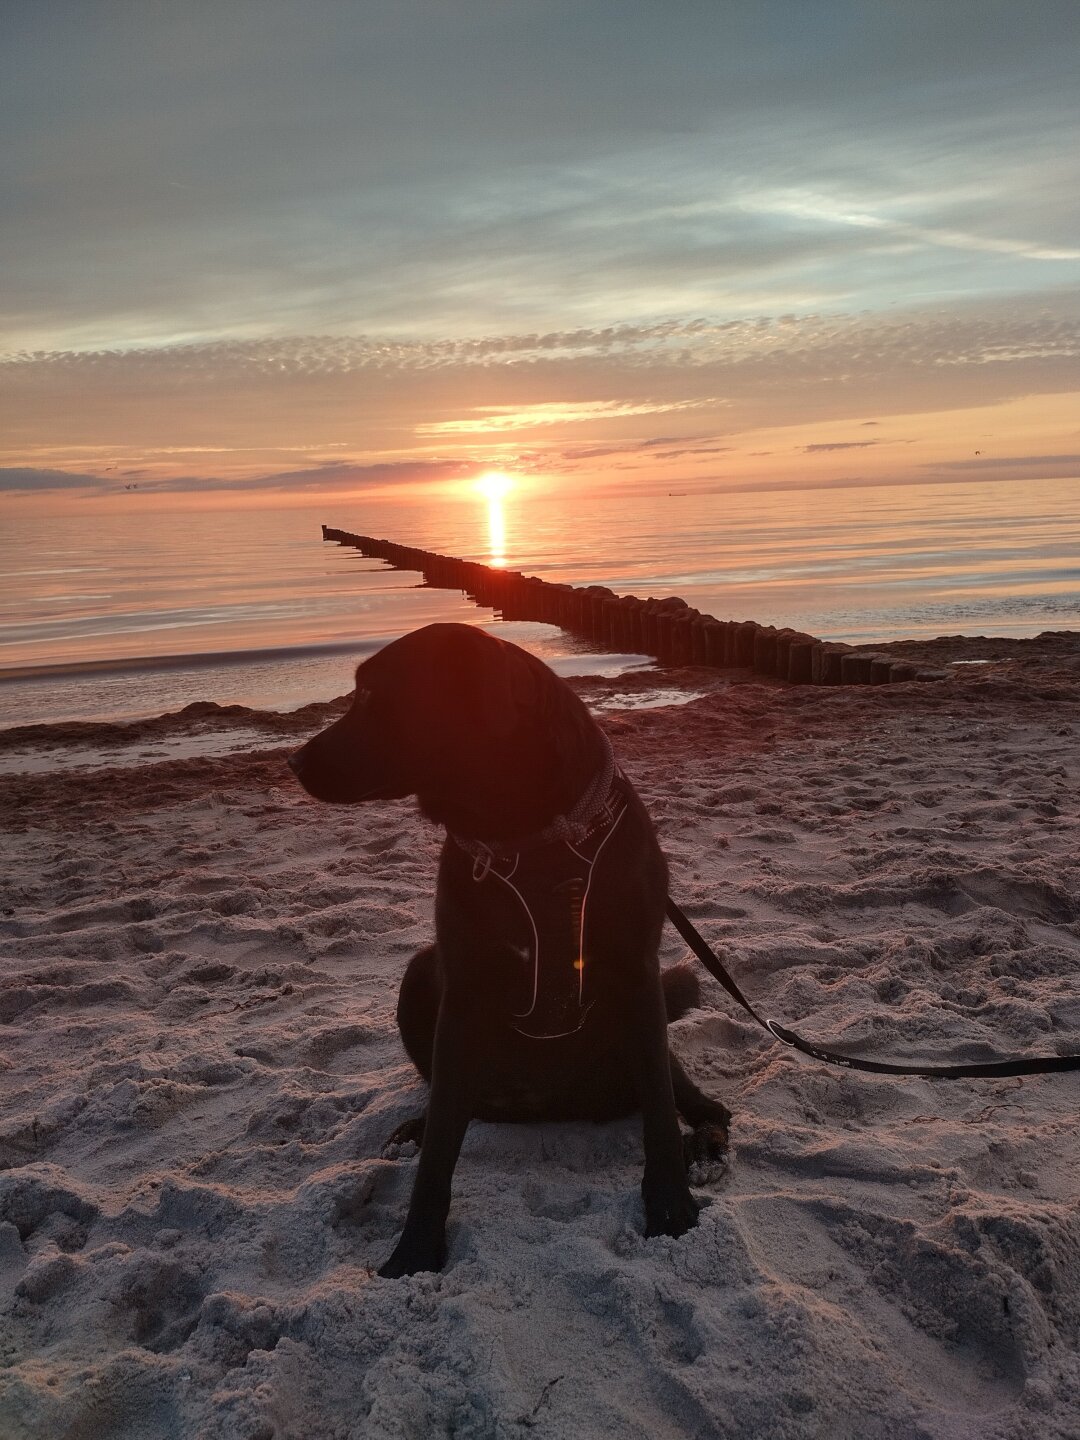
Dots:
pixel 996 462
pixel 426 170
pixel 245 403
pixel 1012 328
pixel 339 475
pixel 25 477
pixel 824 446
pixel 495 418
pixel 831 213
pixel 988 468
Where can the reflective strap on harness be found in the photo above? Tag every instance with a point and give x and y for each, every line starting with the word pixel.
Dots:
pixel 491 871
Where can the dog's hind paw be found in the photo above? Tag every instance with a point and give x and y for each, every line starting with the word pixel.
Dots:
pixel 705 1150
pixel 409 1132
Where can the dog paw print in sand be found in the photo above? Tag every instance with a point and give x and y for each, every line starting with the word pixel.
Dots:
pixel 155 1300
pixel 43 1207
pixel 325 1046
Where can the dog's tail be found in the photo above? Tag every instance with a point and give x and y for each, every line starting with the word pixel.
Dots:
pixel 681 991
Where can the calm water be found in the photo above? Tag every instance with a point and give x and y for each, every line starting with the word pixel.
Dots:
pixel 853 564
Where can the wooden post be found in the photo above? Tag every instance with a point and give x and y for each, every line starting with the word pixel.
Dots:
pixel 855 668
pixel 764 661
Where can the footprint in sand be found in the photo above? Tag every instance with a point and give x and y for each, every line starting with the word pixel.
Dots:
pixel 951 1336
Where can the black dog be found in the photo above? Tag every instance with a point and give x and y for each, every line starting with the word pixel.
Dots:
pixel 542 997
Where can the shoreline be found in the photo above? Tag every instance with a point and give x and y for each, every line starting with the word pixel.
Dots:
pixel 276 680
pixel 198 972
pixel 942 656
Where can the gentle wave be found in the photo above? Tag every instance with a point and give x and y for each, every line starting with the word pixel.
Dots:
pixel 198 660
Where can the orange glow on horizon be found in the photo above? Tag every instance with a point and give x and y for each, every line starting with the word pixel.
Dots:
pixel 1030 436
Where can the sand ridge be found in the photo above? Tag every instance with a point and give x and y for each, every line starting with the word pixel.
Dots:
pixel 198 970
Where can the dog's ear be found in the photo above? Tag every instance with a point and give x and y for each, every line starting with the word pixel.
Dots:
pixel 507 689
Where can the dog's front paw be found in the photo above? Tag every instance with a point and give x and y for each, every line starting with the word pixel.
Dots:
pixel 671 1211
pixel 414 1253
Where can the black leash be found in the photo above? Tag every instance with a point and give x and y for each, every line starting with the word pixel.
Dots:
pixel 1036 1065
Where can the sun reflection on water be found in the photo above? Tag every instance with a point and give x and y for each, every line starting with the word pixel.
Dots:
pixel 494 487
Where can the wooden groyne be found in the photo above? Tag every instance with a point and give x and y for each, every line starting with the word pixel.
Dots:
pixel 669 630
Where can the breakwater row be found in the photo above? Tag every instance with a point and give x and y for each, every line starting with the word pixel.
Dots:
pixel 669 630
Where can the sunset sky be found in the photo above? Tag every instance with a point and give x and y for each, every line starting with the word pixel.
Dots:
pixel 286 248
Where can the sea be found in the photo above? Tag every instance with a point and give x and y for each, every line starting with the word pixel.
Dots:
pixel 110 613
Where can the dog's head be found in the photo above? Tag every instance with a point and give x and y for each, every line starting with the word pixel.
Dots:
pixel 489 740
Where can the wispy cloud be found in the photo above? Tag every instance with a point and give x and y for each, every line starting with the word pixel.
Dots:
pixel 1042 464
pixel 27 478
pixel 494 418
pixel 428 170
pixel 834 213
pixel 827 446
pixel 325 478
pixel 315 395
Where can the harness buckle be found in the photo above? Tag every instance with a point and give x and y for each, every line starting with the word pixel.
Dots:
pixel 482 863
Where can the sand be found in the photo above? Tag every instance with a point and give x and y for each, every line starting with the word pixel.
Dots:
pixel 200 1070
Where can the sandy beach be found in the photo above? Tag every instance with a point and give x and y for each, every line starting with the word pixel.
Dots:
pixel 200 1069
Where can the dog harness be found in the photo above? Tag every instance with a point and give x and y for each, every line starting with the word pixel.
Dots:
pixel 551 875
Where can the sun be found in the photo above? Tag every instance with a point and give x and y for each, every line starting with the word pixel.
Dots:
pixel 494 485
